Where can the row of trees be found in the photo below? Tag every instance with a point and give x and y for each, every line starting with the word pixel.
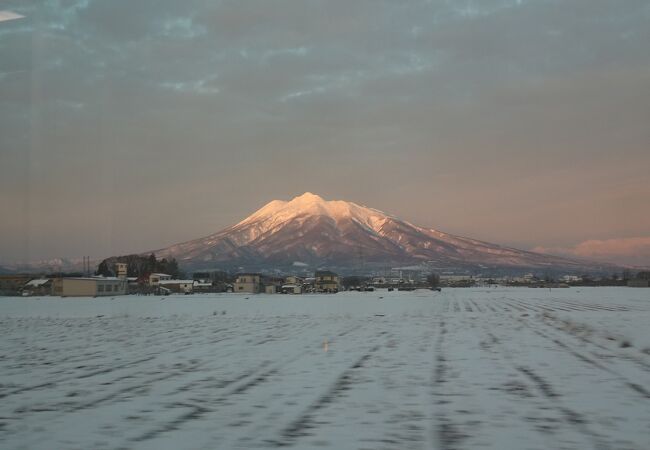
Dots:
pixel 138 266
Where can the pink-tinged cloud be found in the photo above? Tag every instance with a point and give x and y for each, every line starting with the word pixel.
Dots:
pixel 8 15
pixel 629 251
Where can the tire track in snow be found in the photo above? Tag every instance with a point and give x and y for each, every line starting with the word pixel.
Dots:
pixel 240 384
pixel 518 390
pixel 75 377
pixel 572 351
pixel 552 396
pixel 298 428
pixel 220 384
pixel 447 433
pixel 568 328
pixel 199 408
pixel 406 428
pixel 479 309
pixel 577 420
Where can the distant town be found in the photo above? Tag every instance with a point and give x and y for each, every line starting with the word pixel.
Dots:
pixel 138 275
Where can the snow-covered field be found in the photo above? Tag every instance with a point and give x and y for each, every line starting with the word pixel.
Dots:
pixel 462 369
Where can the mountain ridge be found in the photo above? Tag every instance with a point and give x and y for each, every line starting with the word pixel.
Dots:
pixel 309 230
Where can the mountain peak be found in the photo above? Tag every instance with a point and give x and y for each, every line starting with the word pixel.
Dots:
pixel 278 212
pixel 308 197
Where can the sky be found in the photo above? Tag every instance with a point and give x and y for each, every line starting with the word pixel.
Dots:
pixel 127 125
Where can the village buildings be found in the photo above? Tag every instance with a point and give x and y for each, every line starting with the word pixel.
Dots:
pixel 177 286
pixel 248 283
pixel 89 287
pixel 156 278
pixel 323 281
pixel 327 281
pixel 13 284
pixel 642 280
pixel 37 287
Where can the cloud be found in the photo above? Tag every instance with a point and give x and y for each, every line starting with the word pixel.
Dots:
pixel 8 15
pixel 273 53
pixel 182 27
pixel 203 86
pixel 498 119
pixel 631 251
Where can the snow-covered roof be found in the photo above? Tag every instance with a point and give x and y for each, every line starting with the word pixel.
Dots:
pixel 99 278
pixel 37 282
pixel 176 281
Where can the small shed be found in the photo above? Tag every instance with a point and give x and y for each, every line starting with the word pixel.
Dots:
pixel 292 289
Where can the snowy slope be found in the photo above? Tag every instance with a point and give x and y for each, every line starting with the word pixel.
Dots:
pixel 502 369
pixel 312 230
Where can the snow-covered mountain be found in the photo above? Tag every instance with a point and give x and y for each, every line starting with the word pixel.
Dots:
pixel 310 231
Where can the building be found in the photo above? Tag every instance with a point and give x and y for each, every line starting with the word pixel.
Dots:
pixel 177 286
pixel 133 285
pixel 248 283
pixel 273 285
pixel 204 286
pixel 13 284
pixel 326 281
pixel 121 270
pixel 38 287
pixel 292 279
pixel 155 278
pixel 641 280
pixel 291 288
pixel 89 287
pixel 571 279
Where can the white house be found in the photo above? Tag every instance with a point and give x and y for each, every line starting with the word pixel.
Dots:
pixel 156 278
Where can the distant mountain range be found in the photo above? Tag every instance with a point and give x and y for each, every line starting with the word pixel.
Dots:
pixel 311 232
pixel 54 265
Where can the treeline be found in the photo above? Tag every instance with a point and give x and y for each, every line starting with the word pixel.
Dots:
pixel 138 265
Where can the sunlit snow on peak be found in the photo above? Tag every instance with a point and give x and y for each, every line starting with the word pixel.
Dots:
pixel 308 197
pixel 308 205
